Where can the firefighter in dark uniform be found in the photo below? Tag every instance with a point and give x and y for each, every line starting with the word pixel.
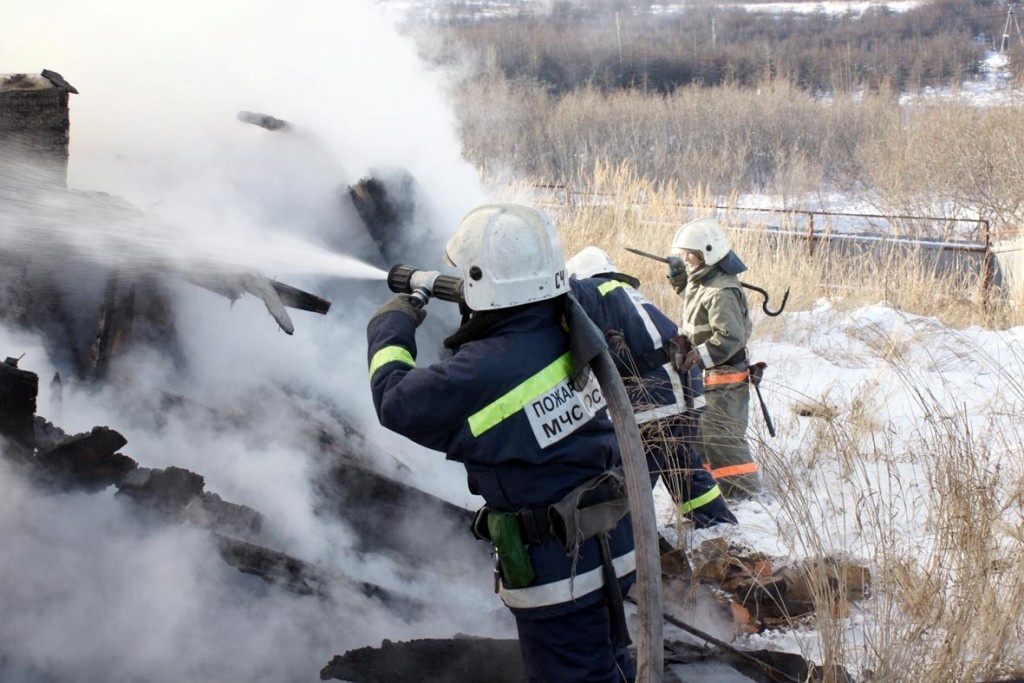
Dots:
pixel 536 442
pixel 667 405
pixel 716 319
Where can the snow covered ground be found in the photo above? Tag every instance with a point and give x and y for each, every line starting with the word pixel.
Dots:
pixel 891 392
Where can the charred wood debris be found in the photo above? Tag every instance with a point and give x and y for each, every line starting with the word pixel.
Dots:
pixel 134 309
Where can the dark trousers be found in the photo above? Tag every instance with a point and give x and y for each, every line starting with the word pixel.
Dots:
pixel 573 648
pixel 670 452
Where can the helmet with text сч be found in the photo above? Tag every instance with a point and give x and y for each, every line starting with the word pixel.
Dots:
pixel 590 261
pixel 704 235
pixel 509 255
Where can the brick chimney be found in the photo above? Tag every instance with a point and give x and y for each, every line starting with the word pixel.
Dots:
pixel 34 123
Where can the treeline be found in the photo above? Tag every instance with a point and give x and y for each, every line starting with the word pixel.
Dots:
pixel 610 46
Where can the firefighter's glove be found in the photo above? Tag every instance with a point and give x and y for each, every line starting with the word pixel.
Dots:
pixel 682 354
pixel 677 272
pixel 403 304
pixel 675 266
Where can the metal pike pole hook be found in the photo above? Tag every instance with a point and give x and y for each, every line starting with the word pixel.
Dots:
pixel 759 290
pixel 764 304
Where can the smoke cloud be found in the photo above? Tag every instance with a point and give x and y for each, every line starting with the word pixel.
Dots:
pixel 92 592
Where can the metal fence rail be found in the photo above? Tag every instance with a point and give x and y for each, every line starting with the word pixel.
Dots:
pixel 953 240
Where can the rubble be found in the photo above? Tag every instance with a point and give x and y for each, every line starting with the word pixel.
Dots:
pixel 761 595
pixel 91 462
pixel 86 462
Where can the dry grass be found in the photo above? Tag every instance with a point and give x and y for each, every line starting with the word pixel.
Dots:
pixel 938 505
pixel 622 209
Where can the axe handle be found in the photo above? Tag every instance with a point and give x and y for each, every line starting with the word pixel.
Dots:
pixel 764 410
pixel 647 254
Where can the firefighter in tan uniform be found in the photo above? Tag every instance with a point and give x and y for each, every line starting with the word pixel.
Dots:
pixel 716 319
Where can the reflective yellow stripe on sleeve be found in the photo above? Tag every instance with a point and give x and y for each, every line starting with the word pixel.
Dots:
pixel 388 354
pixel 516 399
pixel 610 285
pixel 701 500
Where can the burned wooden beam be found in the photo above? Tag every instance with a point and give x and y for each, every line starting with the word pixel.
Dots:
pixel 276 296
pixel 210 511
pixel 453 660
pixel 386 204
pixel 168 492
pixel 265 121
pixel 271 565
pixel 293 297
pixel 88 462
pixel 297 576
pixel 259 285
pixel 364 497
pixel 58 80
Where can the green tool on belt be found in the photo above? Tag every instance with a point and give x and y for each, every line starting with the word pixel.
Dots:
pixel 516 567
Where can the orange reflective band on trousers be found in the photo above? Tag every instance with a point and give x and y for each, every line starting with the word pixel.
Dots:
pixel 732 470
pixel 727 378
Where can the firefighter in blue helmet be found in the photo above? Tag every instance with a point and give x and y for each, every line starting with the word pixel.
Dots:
pixel 667 404
pixel 536 441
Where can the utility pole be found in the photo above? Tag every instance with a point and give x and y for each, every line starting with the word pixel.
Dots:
pixel 618 35
pixel 1011 20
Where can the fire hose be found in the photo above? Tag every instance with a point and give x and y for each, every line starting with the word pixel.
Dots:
pixel 421 286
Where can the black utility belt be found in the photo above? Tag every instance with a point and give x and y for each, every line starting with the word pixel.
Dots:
pixel 739 357
pixel 537 525
pixel 594 508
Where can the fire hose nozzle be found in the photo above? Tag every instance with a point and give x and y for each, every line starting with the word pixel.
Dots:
pixel 421 285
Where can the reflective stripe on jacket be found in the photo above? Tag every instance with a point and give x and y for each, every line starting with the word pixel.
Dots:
pixel 502 406
pixel 637 329
pixel 732 470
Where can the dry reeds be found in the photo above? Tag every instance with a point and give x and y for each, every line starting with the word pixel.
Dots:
pixel 622 209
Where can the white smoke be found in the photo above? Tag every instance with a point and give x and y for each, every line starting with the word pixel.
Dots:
pixel 88 591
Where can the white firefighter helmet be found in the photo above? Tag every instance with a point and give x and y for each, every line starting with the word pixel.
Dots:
pixel 590 261
pixel 704 235
pixel 509 255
